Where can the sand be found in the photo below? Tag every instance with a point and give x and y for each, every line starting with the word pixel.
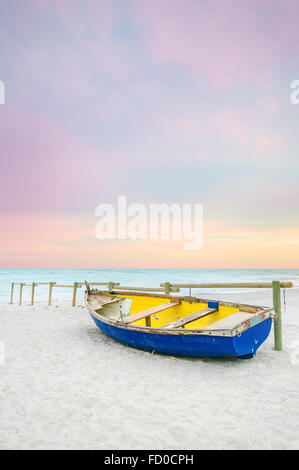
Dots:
pixel 64 385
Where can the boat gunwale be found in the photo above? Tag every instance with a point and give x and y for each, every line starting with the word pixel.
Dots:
pixel 261 315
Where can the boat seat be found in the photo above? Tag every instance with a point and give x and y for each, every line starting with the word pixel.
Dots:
pixel 147 313
pixel 230 321
pixel 190 318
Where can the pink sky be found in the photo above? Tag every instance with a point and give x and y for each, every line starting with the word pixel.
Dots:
pixel 164 101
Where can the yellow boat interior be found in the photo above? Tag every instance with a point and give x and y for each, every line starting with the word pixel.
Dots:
pixel 159 311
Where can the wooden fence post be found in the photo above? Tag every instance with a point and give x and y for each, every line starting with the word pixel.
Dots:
pixel 74 294
pixel 277 317
pixel 167 288
pixel 32 293
pixel 11 292
pixel 110 286
pixel 21 293
pixel 50 293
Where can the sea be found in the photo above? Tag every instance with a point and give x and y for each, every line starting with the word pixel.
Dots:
pixel 131 277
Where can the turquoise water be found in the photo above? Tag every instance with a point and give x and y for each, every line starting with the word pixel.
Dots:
pixel 133 277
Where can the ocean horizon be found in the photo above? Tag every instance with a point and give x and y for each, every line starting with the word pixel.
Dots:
pixel 133 277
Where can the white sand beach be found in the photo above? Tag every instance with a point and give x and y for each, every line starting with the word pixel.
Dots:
pixel 149 147
pixel 64 385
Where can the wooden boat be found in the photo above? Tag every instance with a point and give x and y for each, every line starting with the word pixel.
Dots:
pixel 180 326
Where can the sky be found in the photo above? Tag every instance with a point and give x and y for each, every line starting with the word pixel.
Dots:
pixel 163 101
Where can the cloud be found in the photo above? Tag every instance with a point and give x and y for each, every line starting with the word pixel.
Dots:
pixel 43 167
pixel 248 132
pixel 67 241
pixel 226 42
pixel 153 99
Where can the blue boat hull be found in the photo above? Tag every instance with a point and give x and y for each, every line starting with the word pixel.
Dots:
pixel 244 345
